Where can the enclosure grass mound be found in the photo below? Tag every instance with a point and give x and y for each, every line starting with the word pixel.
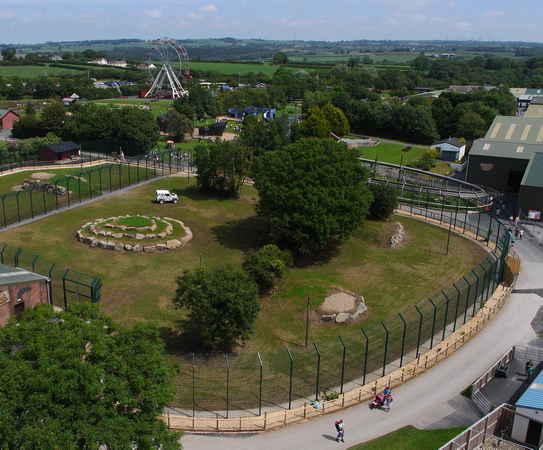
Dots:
pixel 135 234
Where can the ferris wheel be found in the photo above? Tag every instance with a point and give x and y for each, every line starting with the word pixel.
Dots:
pixel 167 69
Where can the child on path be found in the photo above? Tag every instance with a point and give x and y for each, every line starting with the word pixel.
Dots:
pixel 340 427
pixel 389 401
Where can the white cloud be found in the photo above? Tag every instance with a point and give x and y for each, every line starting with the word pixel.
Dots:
pixel 154 14
pixel 194 16
pixel 209 9
pixel 462 25
pixel 494 14
pixel 6 15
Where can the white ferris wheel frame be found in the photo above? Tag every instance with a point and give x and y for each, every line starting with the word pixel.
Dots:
pixel 168 75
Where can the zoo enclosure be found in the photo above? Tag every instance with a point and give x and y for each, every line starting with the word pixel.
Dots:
pixel 226 386
pixel 79 184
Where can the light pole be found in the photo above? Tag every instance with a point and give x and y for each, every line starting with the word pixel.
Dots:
pixel 239 78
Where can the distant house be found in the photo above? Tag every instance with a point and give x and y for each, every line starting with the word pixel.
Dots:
pixel 101 61
pixel 451 149
pixel 70 100
pixel 7 117
pixel 118 63
pixel 60 152
pixel 56 58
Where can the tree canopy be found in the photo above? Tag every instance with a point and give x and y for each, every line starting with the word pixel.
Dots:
pixel 223 303
pixel 77 380
pixel 311 193
pixel 222 166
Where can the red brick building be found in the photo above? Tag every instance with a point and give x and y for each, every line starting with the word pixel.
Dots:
pixel 60 152
pixel 20 289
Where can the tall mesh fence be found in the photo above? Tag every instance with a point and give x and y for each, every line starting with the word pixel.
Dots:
pixel 247 383
pixel 79 183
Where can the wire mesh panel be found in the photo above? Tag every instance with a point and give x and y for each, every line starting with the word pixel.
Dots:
pixel 66 285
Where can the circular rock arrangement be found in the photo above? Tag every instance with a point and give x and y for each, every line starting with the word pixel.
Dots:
pixel 112 234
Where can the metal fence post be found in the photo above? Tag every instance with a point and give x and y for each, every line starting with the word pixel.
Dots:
pixel 318 371
pixel 446 314
pixel 433 323
pixel 386 348
pixel 227 384
pixel 467 299
pixel 484 292
pixel 403 338
pixel 343 363
pixel 476 292
pixel 261 380
pixel 4 210
pixel 290 379
pixel 193 387
pixel 365 355
pixel 420 328
pixel 457 306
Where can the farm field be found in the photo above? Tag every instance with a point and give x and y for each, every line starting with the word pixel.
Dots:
pixel 32 71
pixel 140 286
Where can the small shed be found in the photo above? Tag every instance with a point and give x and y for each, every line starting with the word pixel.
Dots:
pixel 527 425
pixel 7 117
pixel 60 152
pixel 20 289
pixel 451 149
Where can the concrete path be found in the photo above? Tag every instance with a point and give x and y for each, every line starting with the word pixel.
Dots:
pixel 429 401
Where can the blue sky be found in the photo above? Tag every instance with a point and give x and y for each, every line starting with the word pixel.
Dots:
pixel 37 21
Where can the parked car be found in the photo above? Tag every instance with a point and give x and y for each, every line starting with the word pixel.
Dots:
pixel 163 196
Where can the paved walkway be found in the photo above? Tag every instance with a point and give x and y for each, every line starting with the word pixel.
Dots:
pixel 429 401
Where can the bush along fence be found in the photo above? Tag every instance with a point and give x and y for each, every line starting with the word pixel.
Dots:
pixel 76 184
pixel 66 285
pixel 248 386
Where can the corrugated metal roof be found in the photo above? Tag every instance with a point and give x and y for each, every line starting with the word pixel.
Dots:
pixel 14 275
pixel 527 130
pixel 515 150
pixel 534 110
pixel 533 397
pixel 534 172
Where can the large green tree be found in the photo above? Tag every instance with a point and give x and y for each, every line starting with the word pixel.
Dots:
pixel 311 193
pixel 223 303
pixel 223 166
pixel 77 380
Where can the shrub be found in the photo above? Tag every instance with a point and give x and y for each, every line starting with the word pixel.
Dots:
pixel 384 201
pixel 267 266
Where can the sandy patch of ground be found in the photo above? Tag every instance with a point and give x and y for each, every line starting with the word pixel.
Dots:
pixel 339 302
pixel 42 175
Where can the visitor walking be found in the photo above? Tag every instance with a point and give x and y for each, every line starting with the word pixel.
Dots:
pixel 529 368
pixel 340 427
pixel 389 400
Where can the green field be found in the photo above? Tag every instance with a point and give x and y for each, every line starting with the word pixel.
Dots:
pixel 33 71
pixel 392 153
pixel 236 69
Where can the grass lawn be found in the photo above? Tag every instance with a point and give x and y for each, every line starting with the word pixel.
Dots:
pixel 140 286
pixel 408 438
pixel 392 153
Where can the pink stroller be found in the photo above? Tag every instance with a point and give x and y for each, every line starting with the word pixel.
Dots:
pixel 377 402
